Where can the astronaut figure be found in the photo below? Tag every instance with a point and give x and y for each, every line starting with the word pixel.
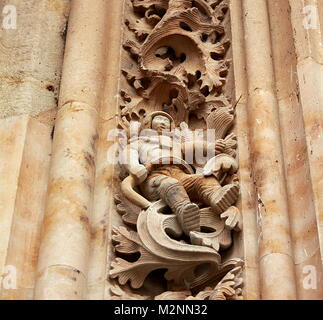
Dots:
pixel 156 161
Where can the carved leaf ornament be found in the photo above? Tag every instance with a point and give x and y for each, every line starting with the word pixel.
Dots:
pixel 175 60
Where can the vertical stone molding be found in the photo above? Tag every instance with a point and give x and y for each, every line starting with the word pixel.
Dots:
pixel 64 252
pixel 24 164
pixel 161 150
pixel 307 20
pixel 31 56
pixel 300 197
pixel 275 247
pixel 248 202
pixel 101 219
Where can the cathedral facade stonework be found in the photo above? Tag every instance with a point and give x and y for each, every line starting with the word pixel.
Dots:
pixel 161 150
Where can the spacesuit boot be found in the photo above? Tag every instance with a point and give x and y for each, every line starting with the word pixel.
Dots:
pixel 223 198
pixel 174 194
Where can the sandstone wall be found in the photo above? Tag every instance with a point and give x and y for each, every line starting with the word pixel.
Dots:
pixel 56 195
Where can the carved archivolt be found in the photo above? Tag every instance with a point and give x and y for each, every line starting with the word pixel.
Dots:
pixel 178 214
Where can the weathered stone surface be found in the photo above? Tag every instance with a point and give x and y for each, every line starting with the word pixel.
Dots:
pixel 66 229
pixel 266 152
pixel 60 283
pixel 25 156
pixel 253 73
pixel 31 57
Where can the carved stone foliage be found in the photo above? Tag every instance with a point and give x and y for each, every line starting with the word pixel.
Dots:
pixel 176 59
pixel 177 216
pixel 229 288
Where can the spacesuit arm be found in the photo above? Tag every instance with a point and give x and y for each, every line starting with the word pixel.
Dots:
pixel 131 161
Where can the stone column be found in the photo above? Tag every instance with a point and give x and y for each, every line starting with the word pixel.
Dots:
pixel 64 252
pixel 297 169
pixel 275 247
pixel 31 57
pixel 101 218
pixel 307 21
pixel 24 163
pixel 248 206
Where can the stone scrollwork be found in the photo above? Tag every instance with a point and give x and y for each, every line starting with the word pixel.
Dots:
pixel 229 288
pixel 178 188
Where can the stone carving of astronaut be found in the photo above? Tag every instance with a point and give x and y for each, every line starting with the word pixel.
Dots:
pixel 174 180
